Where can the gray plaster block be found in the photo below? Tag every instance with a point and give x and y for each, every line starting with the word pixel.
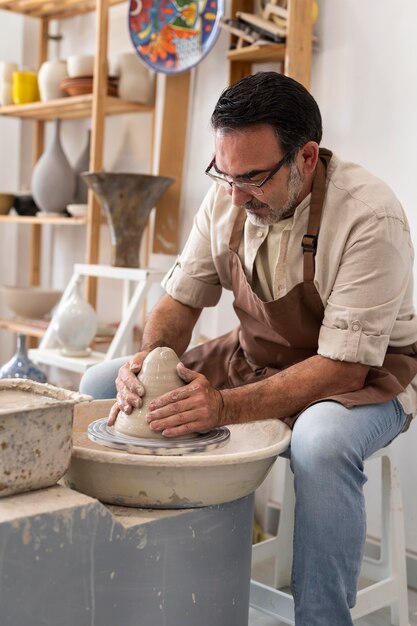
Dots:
pixel 68 560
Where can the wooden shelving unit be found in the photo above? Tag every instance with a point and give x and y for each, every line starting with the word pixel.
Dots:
pixel 98 106
pixel 295 54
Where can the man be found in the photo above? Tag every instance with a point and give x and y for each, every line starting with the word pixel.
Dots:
pixel 318 255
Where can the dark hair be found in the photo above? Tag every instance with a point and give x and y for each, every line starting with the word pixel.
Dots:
pixel 274 99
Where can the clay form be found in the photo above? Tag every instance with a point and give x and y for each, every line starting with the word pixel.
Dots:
pixel 172 482
pixel 53 179
pixel 127 200
pixel 158 375
pixel 75 324
pixel 35 434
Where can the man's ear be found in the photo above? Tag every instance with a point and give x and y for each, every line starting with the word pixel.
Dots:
pixel 308 157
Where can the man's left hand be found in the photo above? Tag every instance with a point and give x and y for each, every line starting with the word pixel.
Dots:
pixel 195 408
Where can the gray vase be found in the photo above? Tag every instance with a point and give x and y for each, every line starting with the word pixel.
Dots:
pixel 127 200
pixel 53 179
pixel 82 164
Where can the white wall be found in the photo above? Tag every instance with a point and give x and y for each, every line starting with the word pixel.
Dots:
pixel 364 72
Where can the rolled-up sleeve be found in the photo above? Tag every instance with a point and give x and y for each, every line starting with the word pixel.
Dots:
pixel 371 282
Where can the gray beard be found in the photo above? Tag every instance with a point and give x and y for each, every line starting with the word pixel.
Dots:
pixel 295 184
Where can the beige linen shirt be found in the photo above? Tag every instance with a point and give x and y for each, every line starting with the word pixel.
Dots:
pixel 363 265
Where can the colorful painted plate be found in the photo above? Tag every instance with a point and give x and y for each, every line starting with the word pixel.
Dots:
pixel 171 36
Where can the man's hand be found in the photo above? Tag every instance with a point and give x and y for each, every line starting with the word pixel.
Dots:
pixel 195 408
pixel 129 388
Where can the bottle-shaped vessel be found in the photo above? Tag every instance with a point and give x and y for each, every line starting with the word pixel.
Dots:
pixel 75 324
pixel 20 366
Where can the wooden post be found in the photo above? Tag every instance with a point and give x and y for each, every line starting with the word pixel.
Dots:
pixel 97 140
pixel 38 145
pixel 299 41
pixel 239 69
pixel 174 130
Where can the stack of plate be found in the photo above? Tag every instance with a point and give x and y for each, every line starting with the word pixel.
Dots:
pixel 83 85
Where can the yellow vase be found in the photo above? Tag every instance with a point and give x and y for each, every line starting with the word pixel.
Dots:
pixel 25 87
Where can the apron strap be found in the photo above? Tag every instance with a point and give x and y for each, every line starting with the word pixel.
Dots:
pixel 309 241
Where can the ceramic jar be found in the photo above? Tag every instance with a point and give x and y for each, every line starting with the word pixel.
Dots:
pixel 6 78
pixel 80 65
pixel 75 324
pixel 53 179
pixel 50 75
pixel 25 87
pixel 20 366
pixel 158 376
pixel 136 82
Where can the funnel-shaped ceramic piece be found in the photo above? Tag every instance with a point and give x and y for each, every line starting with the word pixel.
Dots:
pixel 158 375
pixel 127 200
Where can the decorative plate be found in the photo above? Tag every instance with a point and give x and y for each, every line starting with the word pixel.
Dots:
pixel 171 36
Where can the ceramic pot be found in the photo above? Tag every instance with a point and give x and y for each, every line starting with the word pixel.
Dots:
pixel 127 200
pixel 80 65
pixel 50 75
pixel 136 82
pixel 20 366
pixel 6 93
pixel 82 165
pixel 75 324
pixel 25 87
pixel 6 70
pixel 53 179
pixel 158 375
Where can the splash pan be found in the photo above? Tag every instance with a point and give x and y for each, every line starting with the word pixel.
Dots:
pixel 104 435
pixel 210 477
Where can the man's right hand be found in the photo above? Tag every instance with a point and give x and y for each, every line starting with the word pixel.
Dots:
pixel 129 388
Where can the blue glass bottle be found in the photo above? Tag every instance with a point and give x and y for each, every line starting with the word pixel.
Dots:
pixel 20 366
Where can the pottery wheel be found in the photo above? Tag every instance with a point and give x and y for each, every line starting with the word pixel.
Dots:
pixel 101 433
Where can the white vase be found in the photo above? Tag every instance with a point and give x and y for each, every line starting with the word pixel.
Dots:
pixel 136 82
pixel 75 324
pixel 50 75
pixel 53 179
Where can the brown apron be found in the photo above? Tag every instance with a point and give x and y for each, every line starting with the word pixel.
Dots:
pixel 274 335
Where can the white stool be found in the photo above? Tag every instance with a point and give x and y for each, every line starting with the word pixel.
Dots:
pixel 388 573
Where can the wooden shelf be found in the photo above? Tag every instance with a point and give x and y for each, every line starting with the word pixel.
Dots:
pixel 258 53
pixel 44 219
pixel 71 108
pixel 32 328
pixel 52 9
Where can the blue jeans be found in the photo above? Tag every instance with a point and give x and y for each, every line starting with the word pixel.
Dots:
pixel 328 447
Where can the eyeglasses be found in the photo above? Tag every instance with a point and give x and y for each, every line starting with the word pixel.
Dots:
pixel 251 188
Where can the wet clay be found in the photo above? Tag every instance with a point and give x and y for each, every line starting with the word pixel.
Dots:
pixel 158 376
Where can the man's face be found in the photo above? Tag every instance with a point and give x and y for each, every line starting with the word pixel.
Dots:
pixel 248 155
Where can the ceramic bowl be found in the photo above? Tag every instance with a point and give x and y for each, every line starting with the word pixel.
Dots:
pixel 77 210
pixel 29 302
pixel 6 202
pixel 24 204
pixel 80 65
